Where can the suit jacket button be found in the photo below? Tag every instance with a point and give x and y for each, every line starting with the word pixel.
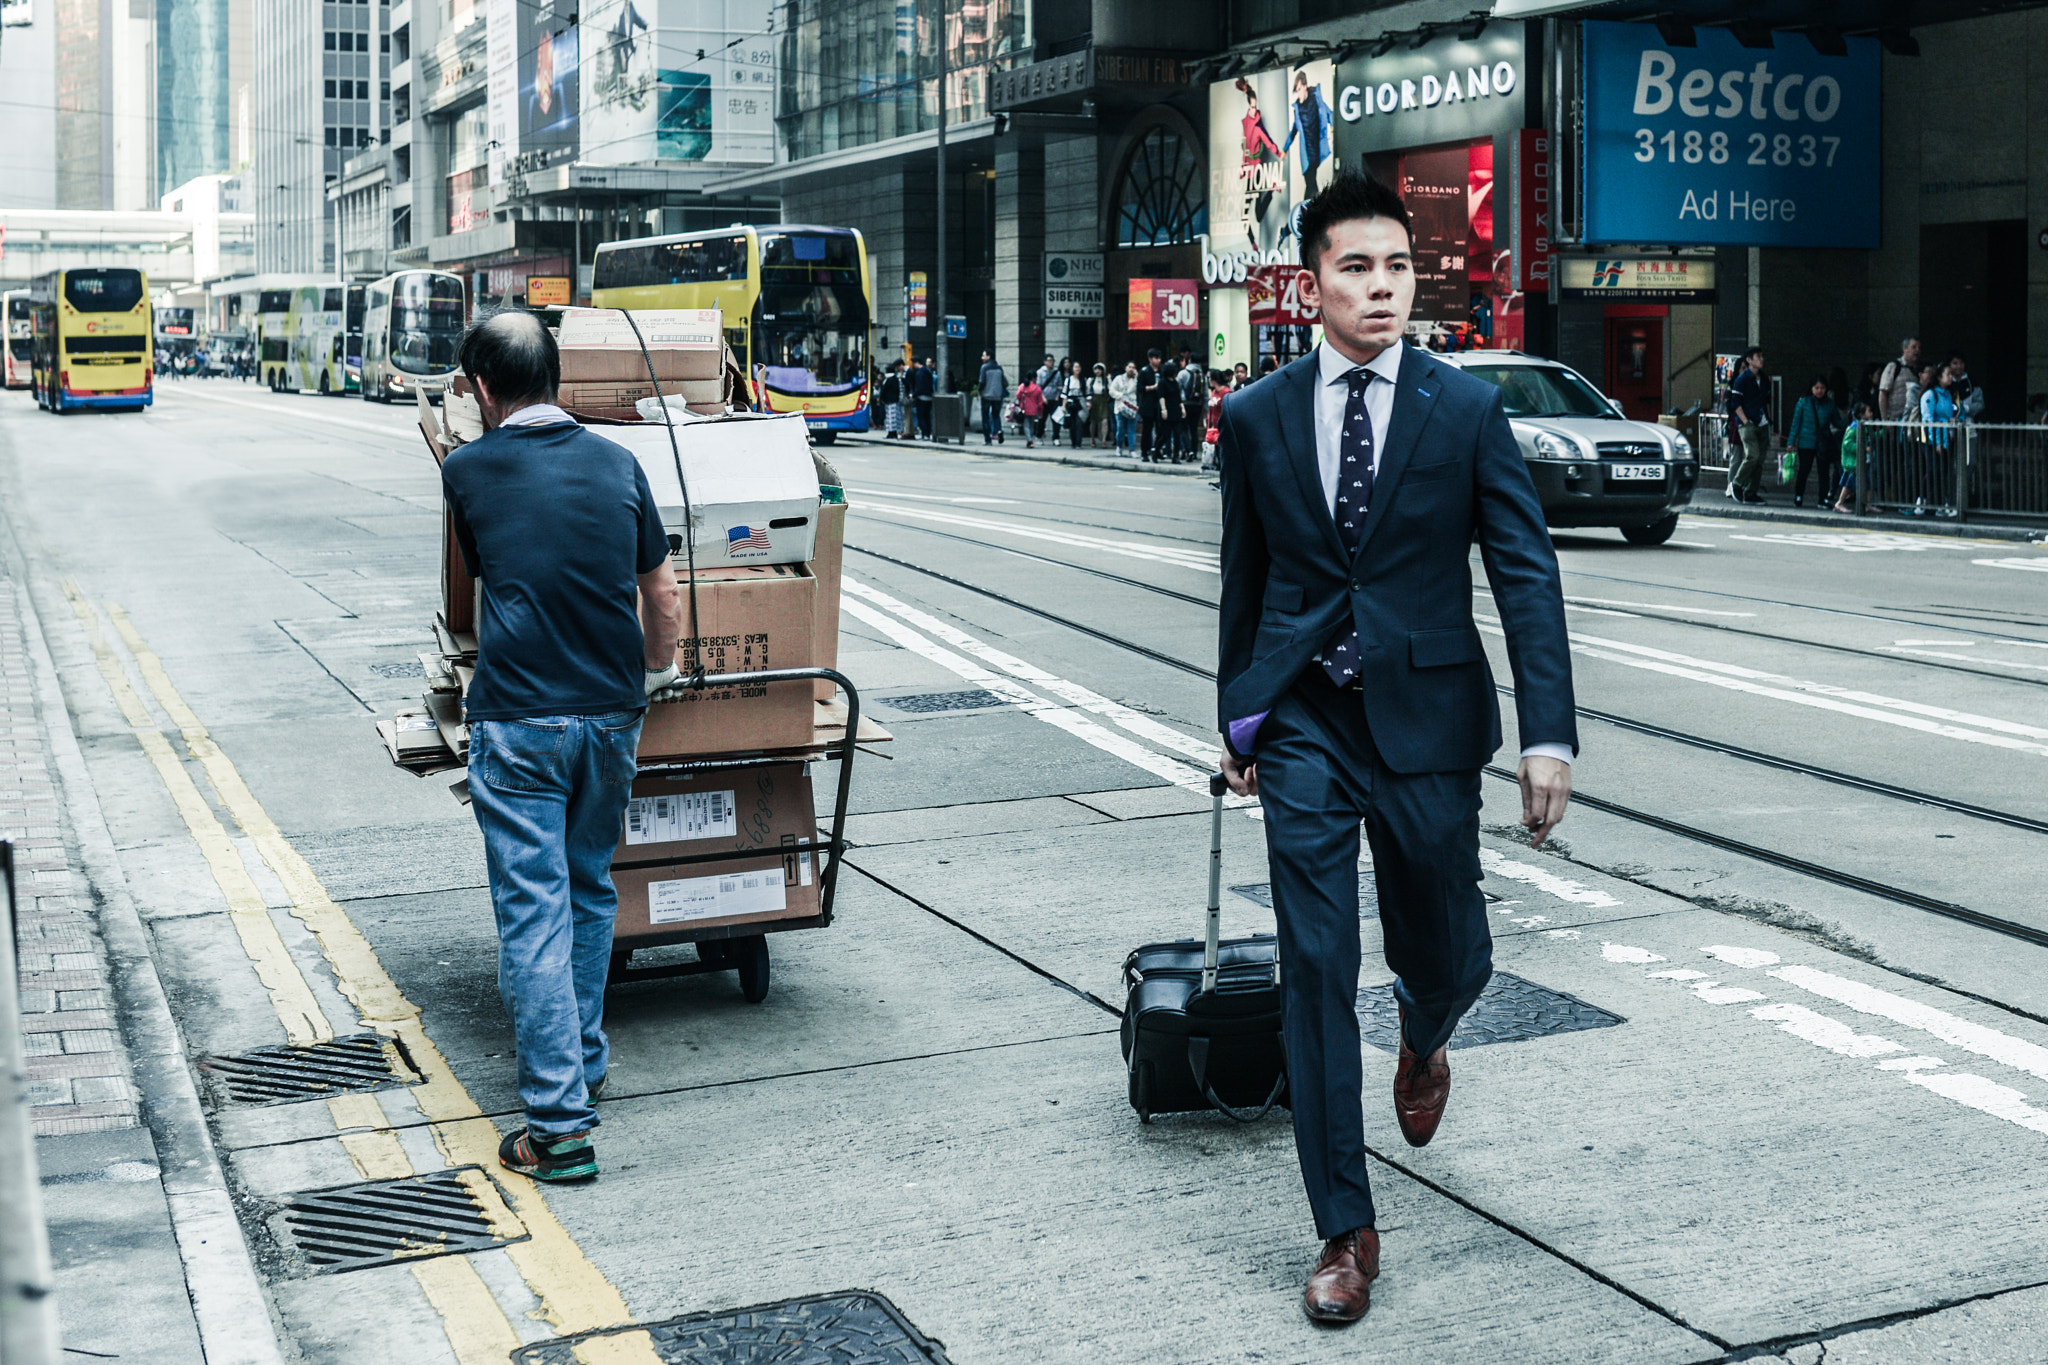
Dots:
pixel 1354 585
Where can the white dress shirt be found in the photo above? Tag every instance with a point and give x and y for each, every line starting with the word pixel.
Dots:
pixel 1333 392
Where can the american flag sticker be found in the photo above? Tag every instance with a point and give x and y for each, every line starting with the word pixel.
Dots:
pixel 738 538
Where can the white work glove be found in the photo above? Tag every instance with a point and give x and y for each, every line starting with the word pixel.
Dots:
pixel 659 680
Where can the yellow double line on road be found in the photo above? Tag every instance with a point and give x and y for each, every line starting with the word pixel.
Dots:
pixel 575 1297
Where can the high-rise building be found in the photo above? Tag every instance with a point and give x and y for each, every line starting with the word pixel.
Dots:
pixel 321 93
pixel 28 75
pixel 193 97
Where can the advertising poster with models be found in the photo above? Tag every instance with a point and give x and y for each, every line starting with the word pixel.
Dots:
pixel 1449 190
pixel 547 83
pixel 649 96
pixel 1269 151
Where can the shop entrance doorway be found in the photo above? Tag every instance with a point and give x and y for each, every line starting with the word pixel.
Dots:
pixel 1635 358
pixel 1968 304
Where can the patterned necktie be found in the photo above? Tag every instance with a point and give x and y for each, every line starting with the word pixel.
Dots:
pixel 1340 658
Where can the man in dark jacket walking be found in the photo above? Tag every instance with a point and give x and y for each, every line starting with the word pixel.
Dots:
pixel 1150 383
pixel 993 386
pixel 577 630
pixel 922 387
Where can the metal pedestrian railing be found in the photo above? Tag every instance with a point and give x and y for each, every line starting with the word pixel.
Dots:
pixel 1953 469
pixel 1712 446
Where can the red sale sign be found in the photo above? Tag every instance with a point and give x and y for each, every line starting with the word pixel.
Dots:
pixel 1164 306
pixel 1273 297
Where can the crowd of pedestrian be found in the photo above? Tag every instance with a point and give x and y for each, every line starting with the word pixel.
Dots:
pixel 1926 401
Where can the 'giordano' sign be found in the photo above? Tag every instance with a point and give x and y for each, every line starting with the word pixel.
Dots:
pixel 1447 90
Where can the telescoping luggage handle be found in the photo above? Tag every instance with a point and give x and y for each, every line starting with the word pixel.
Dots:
pixel 1212 937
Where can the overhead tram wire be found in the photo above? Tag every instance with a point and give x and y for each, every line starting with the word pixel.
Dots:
pixel 1946 909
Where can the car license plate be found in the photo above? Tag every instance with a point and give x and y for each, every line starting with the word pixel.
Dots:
pixel 815 425
pixel 1635 471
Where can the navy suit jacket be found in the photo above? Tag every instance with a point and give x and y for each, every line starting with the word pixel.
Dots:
pixel 1449 472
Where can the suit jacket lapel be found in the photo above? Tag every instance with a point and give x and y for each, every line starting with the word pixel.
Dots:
pixel 1415 396
pixel 1296 401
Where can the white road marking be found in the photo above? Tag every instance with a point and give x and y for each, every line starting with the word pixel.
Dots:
pixel 1209 755
pixel 1599 611
pixel 1677 974
pixel 1201 561
pixel 1740 957
pixel 396 433
pixel 1856 542
pixel 1561 933
pixel 926 497
pixel 1543 880
pixel 2037 565
pixel 1966 658
pixel 1974 1092
pixel 1657 606
pixel 1176 771
pixel 1693 544
pixel 1821 1031
pixel 1825 696
pixel 2016 1053
pixel 1621 952
pixel 1928 644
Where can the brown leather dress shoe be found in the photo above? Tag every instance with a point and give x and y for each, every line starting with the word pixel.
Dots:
pixel 1420 1089
pixel 1340 1290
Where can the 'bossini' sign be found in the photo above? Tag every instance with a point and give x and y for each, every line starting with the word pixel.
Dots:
pixel 1448 90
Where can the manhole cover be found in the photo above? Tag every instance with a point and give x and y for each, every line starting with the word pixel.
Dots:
pixel 404 670
pixel 925 703
pixel 274 1075
pixel 397 1220
pixel 1509 1010
pixel 854 1328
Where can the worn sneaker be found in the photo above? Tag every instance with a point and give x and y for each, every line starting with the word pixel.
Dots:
pixel 562 1159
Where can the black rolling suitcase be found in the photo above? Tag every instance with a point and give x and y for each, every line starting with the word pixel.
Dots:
pixel 1202 1019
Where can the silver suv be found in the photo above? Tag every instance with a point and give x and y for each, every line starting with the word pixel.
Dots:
pixel 1592 465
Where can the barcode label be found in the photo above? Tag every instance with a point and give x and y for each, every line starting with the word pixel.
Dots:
pixel 682 815
pixel 734 893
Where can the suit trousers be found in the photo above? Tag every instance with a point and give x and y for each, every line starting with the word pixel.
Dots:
pixel 1320 775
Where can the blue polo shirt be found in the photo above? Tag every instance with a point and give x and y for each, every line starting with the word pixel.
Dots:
pixel 558 524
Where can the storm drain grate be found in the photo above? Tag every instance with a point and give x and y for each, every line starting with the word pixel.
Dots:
pixel 274 1075
pixel 402 670
pixel 387 1221
pixel 853 1328
pixel 926 703
pixel 1509 1010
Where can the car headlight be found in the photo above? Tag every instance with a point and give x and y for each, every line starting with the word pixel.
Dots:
pixel 1681 449
pixel 1551 447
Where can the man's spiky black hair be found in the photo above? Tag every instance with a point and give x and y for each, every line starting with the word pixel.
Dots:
pixel 1349 195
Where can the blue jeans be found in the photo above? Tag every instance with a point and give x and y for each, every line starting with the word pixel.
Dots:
pixel 991 418
pixel 550 794
pixel 1126 432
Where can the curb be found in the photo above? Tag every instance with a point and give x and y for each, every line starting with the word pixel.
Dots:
pixel 1130 465
pixel 229 1306
pixel 1912 526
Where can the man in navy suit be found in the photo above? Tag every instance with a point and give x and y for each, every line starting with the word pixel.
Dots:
pixel 1353 687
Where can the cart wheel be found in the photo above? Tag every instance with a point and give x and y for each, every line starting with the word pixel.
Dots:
pixel 750 955
pixel 1141 1091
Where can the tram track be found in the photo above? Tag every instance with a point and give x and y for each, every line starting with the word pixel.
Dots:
pixel 1817 871
pixel 1636 610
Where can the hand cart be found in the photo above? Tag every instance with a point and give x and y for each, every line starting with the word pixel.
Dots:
pixel 743 947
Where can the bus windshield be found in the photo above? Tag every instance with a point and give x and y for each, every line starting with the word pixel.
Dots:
pixel 811 339
pixel 106 290
pixel 426 323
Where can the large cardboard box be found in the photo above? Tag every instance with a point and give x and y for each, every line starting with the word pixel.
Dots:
pixel 700 394
pixel 753 619
pixel 753 813
pixel 825 568
pixel 753 486
pixel 598 345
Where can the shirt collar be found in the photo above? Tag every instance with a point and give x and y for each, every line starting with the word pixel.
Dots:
pixel 1332 366
pixel 538 414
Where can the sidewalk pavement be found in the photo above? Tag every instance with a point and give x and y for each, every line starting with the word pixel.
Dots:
pixel 125 1161
pixel 1046 452
pixel 1713 504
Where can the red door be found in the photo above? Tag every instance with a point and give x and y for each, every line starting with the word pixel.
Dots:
pixel 1635 364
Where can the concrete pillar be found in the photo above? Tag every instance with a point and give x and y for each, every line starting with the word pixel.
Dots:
pixel 1020 247
pixel 1071 221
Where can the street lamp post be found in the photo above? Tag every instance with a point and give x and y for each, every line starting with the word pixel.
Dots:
pixel 940 348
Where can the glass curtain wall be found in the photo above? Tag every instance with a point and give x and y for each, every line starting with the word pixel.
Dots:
pixel 855 72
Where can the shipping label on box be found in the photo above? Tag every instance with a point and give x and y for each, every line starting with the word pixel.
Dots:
pixel 680 815
pixel 716 897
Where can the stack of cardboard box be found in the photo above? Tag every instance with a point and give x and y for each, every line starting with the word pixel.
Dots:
pixel 726 769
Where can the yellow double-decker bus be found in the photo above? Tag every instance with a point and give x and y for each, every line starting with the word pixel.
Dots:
pixel 90 339
pixel 798 305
